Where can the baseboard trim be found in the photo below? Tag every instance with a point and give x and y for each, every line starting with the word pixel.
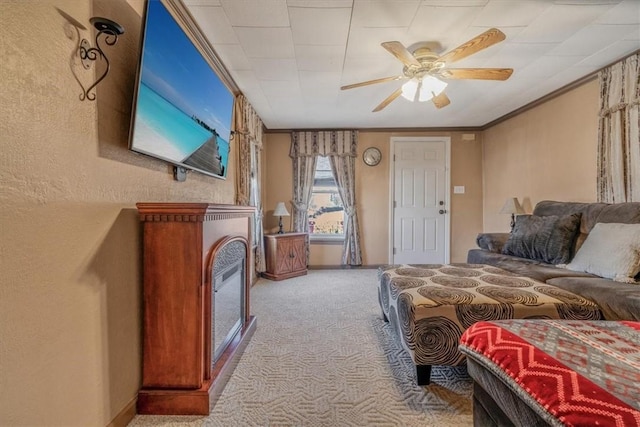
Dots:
pixel 125 416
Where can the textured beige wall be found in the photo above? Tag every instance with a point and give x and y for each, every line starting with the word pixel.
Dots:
pixel 372 194
pixel 70 251
pixel 546 153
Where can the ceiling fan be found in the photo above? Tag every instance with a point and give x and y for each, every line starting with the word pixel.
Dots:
pixel 425 70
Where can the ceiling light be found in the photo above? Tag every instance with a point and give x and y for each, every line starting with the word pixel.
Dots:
pixel 423 89
pixel 410 89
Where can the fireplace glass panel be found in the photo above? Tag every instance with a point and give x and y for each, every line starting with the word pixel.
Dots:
pixel 227 295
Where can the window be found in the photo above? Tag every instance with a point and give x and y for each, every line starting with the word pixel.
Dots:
pixel 326 213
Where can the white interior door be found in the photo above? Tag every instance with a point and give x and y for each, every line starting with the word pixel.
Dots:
pixel 420 213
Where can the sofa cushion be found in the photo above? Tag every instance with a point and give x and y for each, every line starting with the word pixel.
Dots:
pixel 522 266
pixel 611 250
pixel 618 301
pixel 549 239
pixel 592 213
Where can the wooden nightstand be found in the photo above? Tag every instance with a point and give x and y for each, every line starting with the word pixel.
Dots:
pixel 286 255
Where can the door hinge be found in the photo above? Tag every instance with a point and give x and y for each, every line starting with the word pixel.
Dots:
pixel 395 204
pixel 394 251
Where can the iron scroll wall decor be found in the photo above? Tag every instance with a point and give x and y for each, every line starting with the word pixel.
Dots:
pixel 89 54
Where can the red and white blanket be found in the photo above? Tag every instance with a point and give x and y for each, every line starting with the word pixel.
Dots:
pixel 578 373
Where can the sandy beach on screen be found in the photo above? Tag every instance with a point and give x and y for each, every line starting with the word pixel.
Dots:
pixel 148 140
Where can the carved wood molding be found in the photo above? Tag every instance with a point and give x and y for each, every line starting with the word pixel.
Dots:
pixel 189 218
pixel 191 212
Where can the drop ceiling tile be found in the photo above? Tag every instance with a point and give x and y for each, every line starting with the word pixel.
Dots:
pixel 454 3
pixel 547 66
pixel 214 24
pixel 358 69
pixel 201 3
pixel 592 39
pixel 281 88
pixel 248 83
pixel 318 116
pixel 585 2
pixel 320 3
pixel 366 41
pixel 571 74
pixel 435 23
pixel 288 104
pixel 232 56
pixel 519 55
pixel 627 12
pixel 317 83
pixel 317 105
pixel 319 58
pixel 633 35
pixel 274 69
pixel 319 26
pixel 509 13
pixel 559 22
pixel 611 54
pixel 252 13
pixel 266 42
pixel 384 13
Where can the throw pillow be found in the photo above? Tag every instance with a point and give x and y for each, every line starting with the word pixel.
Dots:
pixel 547 238
pixel 611 250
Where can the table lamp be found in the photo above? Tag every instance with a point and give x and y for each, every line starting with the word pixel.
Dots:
pixel 512 206
pixel 280 211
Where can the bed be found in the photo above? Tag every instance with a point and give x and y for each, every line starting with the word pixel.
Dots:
pixel 533 372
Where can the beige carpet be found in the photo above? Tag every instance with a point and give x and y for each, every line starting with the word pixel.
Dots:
pixel 322 356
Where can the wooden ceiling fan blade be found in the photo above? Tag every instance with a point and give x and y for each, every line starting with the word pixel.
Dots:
pixel 371 82
pixel 398 50
pixel 441 100
pixel 476 44
pixel 388 100
pixel 477 73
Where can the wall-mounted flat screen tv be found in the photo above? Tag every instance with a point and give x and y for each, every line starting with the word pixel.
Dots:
pixel 182 109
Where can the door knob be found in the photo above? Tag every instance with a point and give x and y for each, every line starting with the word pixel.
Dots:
pixel 442 211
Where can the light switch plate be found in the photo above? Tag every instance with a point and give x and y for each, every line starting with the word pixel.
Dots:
pixel 458 189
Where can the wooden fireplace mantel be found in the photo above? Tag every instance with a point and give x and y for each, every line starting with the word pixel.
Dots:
pixel 180 242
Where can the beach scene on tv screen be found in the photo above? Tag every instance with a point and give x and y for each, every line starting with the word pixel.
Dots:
pixel 183 110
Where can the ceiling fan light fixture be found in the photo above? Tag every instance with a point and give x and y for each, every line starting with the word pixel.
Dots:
pixel 423 64
pixel 423 89
pixel 430 88
pixel 410 89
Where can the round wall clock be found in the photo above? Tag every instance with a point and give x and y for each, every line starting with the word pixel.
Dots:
pixel 372 156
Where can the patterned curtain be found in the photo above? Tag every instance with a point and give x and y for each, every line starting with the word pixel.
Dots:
pixel 618 135
pixel 341 148
pixel 248 133
pixel 304 168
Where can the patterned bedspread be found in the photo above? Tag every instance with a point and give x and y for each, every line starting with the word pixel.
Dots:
pixel 431 305
pixel 569 372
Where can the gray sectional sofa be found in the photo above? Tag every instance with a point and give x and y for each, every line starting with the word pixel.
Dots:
pixel 588 249
pixel 550 247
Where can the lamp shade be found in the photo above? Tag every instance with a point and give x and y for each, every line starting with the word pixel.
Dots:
pixel 409 89
pixel 422 89
pixel 430 87
pixel 512 206
pixel 280 210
